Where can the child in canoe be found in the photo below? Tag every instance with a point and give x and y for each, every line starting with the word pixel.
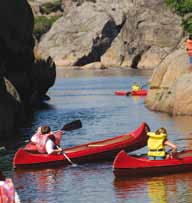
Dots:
pixel 156 145
pixel 47 141
pixel 135 87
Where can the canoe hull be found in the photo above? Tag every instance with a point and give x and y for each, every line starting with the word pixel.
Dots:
pixel 91 152
pixel 125 166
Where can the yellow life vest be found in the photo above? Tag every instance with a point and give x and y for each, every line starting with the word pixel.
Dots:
pixel 135 88
pixel 155 144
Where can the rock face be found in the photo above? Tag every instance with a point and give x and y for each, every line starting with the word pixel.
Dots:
pixel 136 33
pixel 18 66
pixel 171 86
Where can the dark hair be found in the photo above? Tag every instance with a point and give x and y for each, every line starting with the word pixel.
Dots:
pixel 190 36
pixel 45 129
pixel 161 130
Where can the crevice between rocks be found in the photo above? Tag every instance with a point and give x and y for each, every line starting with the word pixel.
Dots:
pixel 101 43
pixel 137 58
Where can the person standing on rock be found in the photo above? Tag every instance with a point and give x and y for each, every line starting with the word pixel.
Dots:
pixel 189 51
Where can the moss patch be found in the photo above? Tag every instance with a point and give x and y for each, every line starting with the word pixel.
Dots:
pixel 43 24
pixel 50 7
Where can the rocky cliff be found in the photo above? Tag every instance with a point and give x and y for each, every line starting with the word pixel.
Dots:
pixel 127 33
pixel 21 77
pixel 170 85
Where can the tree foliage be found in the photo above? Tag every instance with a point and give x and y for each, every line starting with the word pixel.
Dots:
pixel 182 7
pixel 43 24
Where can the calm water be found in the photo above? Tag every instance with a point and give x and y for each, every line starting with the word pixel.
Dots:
pixel 89 96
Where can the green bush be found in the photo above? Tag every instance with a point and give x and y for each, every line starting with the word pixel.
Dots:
pixel 187 24
pixel 182 7
pixel 50 7
pixel 43 24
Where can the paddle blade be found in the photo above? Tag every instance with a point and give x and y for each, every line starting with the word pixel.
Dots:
pixel 72 125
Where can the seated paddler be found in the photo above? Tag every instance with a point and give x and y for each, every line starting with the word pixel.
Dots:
pixel 135 87
pixel 47 141
pixel 157 142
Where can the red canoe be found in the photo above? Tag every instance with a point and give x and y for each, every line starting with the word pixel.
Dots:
pixel 132 167
pixel 89 152
pixel 132 93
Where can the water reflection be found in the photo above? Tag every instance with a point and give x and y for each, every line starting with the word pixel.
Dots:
pixel 164 189
pixel 89 96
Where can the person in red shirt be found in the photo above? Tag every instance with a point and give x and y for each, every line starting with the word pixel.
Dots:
pixel 189 50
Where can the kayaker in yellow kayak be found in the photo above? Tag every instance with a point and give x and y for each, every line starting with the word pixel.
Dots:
pixel 46 141
pixel 157 142
pixel 135 87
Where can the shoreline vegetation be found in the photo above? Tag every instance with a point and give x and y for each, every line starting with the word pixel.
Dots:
pixel 184 9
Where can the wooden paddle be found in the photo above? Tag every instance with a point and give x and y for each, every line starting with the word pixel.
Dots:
pixel 76 124
pixel 69 127
pixel 68 159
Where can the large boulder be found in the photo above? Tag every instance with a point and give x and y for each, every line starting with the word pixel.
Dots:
pixel 79 38
pixel 23 75
pixel 170 85
pixel 124 33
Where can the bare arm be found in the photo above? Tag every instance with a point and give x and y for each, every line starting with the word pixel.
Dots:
pixel 171 145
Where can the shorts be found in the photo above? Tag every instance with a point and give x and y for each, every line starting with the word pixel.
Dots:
pixel 156 157
pixel 190 59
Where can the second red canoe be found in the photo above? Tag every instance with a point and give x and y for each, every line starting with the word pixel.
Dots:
pixel 125 166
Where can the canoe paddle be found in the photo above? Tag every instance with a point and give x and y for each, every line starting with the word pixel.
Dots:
pixel 69 127
pixel 68 159
pixel 76 124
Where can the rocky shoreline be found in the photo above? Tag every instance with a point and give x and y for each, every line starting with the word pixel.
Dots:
pixel 143 34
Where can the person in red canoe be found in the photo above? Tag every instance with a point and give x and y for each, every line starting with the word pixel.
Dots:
pixel 47 141
pixel 156 145
pixel 135 87
pixel 7 193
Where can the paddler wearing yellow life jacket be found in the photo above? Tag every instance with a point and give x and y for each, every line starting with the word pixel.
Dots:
pixel 157 142
pixel 135 87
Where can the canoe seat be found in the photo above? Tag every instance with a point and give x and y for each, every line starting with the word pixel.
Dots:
pixel 108 142
pixel 96 145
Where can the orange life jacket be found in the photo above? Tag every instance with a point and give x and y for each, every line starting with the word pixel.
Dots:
pixel 41 140
pixel 39 146
pixel 189 47
pixel 7 193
